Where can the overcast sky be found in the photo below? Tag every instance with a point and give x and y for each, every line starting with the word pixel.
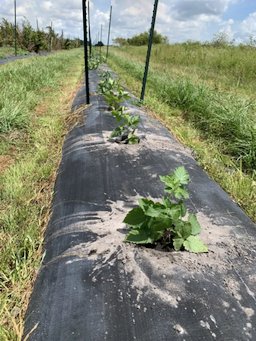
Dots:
pixel 180 20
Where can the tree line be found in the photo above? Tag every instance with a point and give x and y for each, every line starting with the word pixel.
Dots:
pixel 141 39
pixel 34 40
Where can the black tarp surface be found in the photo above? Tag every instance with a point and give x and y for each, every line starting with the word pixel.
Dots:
pixel 94 287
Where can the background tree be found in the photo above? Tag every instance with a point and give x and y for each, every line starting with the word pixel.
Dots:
pixel 142 39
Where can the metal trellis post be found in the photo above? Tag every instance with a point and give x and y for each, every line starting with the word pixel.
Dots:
pixel 15 28
pixel 86 52
pixel 109 28
pixel 150 42
pixel 89 29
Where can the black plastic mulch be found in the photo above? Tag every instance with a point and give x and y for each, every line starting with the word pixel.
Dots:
pixel 87 291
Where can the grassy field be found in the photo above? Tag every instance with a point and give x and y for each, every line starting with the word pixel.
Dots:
pixel 35 98
pixel 205 96
pixel 9 51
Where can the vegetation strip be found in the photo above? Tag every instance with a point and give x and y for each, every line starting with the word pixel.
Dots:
pixel 115 95
pixel 226 154
pixel 35 99
pixel 32 40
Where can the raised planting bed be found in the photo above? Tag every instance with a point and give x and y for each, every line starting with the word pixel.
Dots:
pixel 92 286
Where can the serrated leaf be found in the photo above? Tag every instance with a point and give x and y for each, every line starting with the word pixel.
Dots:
pixel 180 193
pixel 196 228
pixel 135 217
pixel 194 244
pixel 178 243
pixel 182 175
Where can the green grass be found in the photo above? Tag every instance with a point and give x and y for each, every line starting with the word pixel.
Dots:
pixel 219 125
pixel 45 89
pixel 19 88
pixel 9 51
pixel 227 68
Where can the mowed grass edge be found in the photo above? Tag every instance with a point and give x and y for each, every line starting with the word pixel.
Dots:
pixel 48 86
pixel 228 172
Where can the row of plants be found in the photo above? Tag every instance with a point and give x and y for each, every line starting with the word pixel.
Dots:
pixel 30 39
pixel 95 59
pixel 166 223
pixel 115 96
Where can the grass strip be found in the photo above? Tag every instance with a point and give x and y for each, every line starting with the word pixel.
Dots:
pixel 209 149
pixel 27 183
pixel 225 119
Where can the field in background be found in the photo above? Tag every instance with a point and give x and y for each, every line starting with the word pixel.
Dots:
pixel 35 98
pixel 205 96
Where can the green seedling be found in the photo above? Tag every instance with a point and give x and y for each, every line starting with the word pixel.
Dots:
pixel 115 95
pixel 107 83
pixel 164 222
pixel 94 63
pixel 125 132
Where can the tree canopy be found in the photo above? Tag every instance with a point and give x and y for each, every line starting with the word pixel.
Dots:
pixel 141 39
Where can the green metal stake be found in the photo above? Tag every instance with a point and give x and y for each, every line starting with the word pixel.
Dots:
pixel 150 42
pixel 86 52
pixel 89 30
pixel 109 28
pixel 15 28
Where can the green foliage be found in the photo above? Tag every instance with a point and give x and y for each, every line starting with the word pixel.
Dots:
pixel 25 195
pixel 164 221
pixel 95 60
pixel 141 39
pixel 20 83
pixel 221 117
pixel 33 40
pixel 197 63
pixel 115 95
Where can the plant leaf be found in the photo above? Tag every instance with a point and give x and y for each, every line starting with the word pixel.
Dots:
pixel 155 210
pixel 194 244
pixel 135 217
pixel 182 175
pixel 183 229
pixel 178 243
pixel 144 203
pixel 140 236
pixel 196 228
pixel 160 224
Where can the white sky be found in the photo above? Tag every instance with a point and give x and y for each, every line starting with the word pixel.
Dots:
pixel 180 20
